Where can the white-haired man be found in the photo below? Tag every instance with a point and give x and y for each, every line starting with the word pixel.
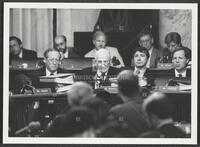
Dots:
pixel 99 74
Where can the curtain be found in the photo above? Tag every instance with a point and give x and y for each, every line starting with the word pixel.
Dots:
pixel 34 27
pixel 75 20
pixel 119 20
pixel 127 24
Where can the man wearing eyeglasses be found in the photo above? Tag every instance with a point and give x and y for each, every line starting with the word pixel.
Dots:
pixel 52 60
pixel 146 40
pixel 46 110
pixel 99 74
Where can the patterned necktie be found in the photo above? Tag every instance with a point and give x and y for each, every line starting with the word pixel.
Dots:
pixel 137 72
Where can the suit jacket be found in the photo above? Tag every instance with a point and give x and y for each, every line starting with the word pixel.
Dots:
pixel 88 75
pixel 44 107
pixel 155 56
pixel 26 55
pixel 42 72
pixel 172 73
pixel 149 76
pixel 165 131
pixel 131 113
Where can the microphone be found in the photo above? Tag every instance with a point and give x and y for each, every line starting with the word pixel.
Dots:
pixel 27 87
pixel 172 82
pixel 32 125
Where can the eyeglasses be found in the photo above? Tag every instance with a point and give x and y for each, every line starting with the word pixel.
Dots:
pixel 145 41
pixel 54 60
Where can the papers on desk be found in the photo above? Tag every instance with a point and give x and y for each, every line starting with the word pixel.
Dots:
pixel 185 87
pixel 66 78
pixel 63 88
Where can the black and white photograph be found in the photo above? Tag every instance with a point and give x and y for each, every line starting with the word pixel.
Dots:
pixel 106 73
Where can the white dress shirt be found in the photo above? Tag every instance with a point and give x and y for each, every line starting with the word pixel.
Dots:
pixel 20 54
pixel 183 74
pixel 48 73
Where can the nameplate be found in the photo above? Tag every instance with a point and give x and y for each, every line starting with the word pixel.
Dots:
pixel 42 90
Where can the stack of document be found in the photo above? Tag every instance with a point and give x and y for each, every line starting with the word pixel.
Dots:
pixel 65 78
pixel 185 87
pixel 63 81
pixel 63 88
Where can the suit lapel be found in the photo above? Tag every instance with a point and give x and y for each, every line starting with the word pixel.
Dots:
pixel 152 58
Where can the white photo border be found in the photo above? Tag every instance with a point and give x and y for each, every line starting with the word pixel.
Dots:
pixel 33 140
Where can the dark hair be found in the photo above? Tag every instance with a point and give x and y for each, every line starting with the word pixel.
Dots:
pixel 144 33
pixel 142 50
pixel 77 120
pixel 158 105
pixel 115 129
pixel 15 38
pixel 128 83
pixel 173 37
pixel 97 33
pixel 99 107
pixel 186 50
pixel 50 50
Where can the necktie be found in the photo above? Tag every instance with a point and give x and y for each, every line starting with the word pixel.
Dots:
pixel 180 75
pixel 99 80
pixel 103 76
pixel 137 72
pixel 51 74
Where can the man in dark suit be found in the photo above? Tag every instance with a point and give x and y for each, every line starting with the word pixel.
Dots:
pixel 52 59
pixel 18 52
pixel 42 109
pixel 146 40
pixel 157 107
pixel 140 59
pixel 60 42
pixel 180 59
pixel 130 112
pixel 99 74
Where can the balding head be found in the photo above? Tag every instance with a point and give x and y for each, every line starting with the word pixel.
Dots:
pixel 78 92
pixel 102 60
pixel 128 84
pixel 60 43
pixel 99 40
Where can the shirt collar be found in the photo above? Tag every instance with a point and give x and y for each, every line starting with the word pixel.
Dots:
pixel 142 71
pixel 99 74
pixel 178 73
pixel 21 54
pixel 48 73
pixel 150 50
pixel 66 54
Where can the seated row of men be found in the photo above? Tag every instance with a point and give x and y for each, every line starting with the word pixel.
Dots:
pixel 100 73
pixel 145 39
pixel 89 115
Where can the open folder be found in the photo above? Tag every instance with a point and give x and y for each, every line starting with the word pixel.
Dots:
pixel 64 78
